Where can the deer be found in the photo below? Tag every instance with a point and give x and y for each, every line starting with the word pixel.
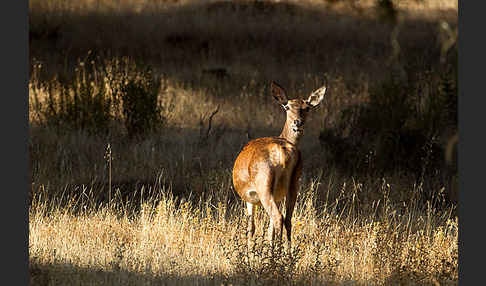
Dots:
pixel 268 169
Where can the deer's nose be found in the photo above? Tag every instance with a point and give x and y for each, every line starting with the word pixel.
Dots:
pixel 298 122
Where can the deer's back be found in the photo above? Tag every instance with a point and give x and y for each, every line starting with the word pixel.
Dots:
pixel 269 157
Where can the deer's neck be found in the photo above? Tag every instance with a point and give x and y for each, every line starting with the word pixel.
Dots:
pixel 289 134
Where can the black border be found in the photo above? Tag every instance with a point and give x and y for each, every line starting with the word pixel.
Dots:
pixel 15 124
pixel 471 142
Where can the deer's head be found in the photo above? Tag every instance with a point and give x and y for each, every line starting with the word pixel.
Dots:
pixel 296 109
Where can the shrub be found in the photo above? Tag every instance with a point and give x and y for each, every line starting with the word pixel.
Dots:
pixel 80 107
pixel 140 104
pixel 99 93
pixel 394 129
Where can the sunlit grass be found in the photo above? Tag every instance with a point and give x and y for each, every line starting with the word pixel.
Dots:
pixel 167 237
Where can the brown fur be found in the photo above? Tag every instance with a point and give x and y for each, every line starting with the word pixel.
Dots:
pixel 264 156
pixel 268 169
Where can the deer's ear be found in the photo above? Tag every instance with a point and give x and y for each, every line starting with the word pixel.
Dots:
pixel 279 93
pixel 316 97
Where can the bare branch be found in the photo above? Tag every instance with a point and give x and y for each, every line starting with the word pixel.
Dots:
pixel 210 121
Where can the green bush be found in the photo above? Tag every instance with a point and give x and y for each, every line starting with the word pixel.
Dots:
pixel 98 95
pixel 82 107
pixel 140 104
pixel 396 129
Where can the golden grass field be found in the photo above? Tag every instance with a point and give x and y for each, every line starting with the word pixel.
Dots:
pixel 106 208
pixel 172 242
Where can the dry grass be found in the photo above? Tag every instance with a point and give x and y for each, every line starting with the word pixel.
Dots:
pixel 163 210
pixel 284 41
pixel 124 5
pixel 167 240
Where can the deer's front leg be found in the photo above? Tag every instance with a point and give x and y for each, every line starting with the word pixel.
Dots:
pixel 291 199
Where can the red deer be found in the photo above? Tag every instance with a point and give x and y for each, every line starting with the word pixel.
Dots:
pixel 268 169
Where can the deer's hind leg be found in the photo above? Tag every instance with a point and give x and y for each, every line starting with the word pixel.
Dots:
pixel 251 222
pixel 265 185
